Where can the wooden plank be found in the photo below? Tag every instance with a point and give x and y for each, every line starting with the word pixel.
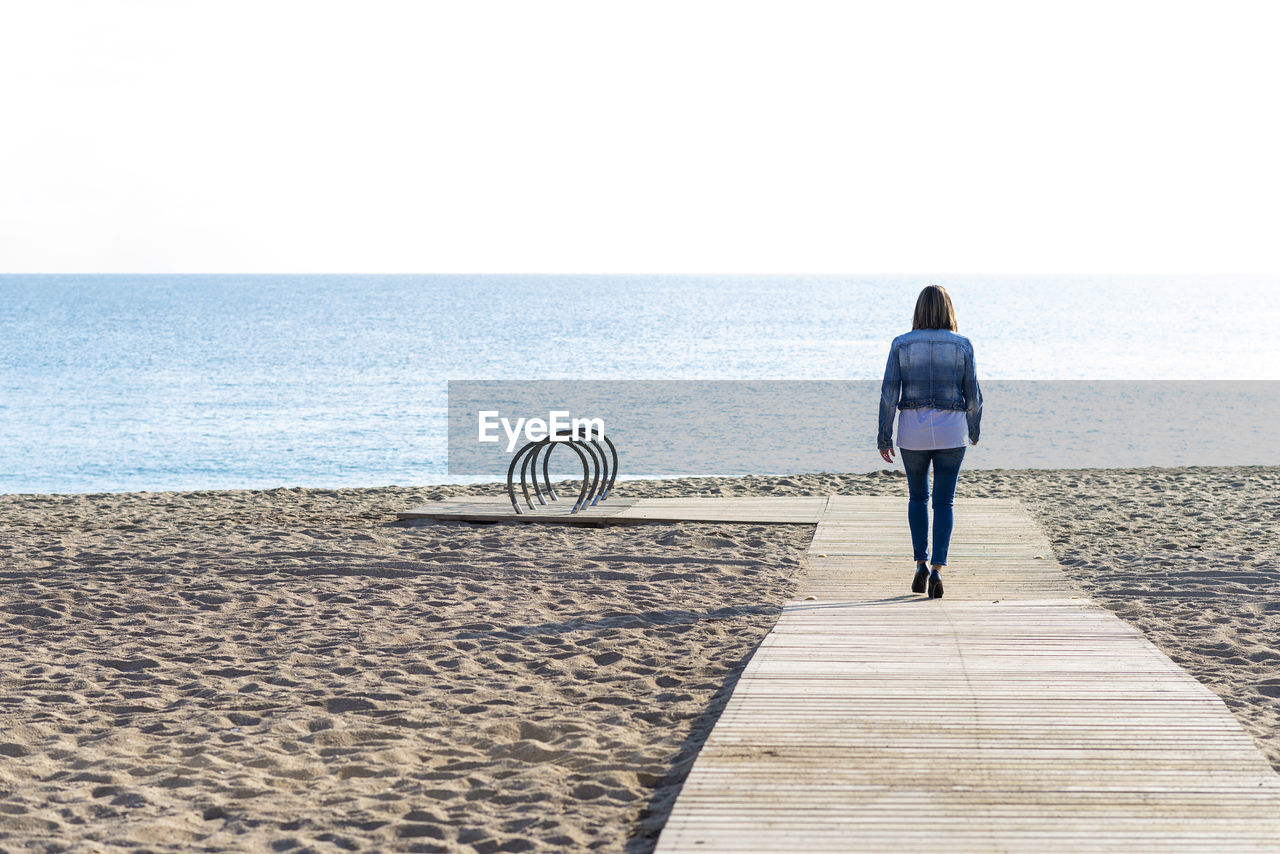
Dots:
pixel 493 508
pixel 783 510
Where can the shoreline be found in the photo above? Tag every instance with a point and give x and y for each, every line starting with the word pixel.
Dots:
pixel 647 484
pixel 645 481
pixel 240 668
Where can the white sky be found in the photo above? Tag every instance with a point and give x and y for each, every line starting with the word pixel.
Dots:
pixel 786 137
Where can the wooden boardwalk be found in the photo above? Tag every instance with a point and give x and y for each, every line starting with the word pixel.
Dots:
pixel 1011 715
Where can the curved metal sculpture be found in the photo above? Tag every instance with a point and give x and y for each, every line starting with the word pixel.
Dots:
pixel 599 469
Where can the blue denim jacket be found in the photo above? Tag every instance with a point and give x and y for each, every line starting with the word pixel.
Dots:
pixel 930 368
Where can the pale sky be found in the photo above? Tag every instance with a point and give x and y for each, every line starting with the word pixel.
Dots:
pixel 732 137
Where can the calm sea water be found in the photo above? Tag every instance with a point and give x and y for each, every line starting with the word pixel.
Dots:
pixel 114 383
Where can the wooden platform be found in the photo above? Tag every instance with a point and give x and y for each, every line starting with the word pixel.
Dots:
pixel 1011 715
pixel 795 510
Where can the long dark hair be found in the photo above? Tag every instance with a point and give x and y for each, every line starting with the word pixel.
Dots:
pixel 934 310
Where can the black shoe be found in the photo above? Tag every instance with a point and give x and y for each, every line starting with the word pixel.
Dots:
pixel 935 585
pixel 922 575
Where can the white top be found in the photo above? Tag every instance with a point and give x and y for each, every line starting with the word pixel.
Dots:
pixel 930 429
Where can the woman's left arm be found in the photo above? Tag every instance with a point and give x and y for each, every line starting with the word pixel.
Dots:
pixel 972 396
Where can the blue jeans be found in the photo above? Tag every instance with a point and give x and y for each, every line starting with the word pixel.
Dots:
pixel 946 470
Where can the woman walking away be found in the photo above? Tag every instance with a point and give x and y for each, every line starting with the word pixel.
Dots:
pixel 931 379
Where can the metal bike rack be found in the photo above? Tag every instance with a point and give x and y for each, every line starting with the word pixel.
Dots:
pixel 599 469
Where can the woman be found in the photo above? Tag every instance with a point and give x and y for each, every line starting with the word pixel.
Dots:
pixel 931 379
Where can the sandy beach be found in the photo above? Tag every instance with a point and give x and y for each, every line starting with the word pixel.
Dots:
pixel 293 670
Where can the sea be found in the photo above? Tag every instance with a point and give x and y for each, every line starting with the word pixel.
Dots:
pixel 113 383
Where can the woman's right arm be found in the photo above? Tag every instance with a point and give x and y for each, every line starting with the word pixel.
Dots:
pixel 890 393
